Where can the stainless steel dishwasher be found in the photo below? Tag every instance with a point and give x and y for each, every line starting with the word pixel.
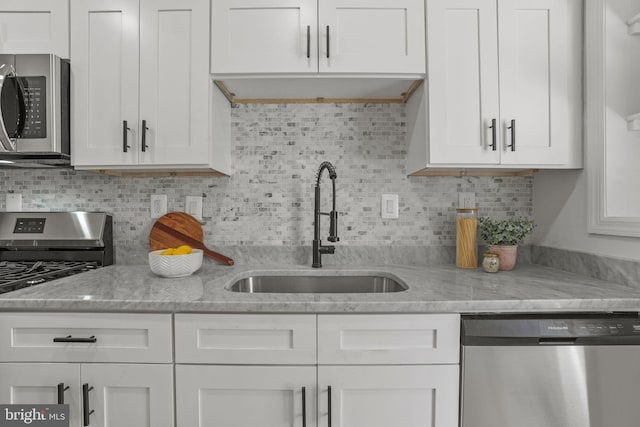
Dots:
pixel 551 371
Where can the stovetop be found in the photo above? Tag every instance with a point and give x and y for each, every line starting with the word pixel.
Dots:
pixel 21 274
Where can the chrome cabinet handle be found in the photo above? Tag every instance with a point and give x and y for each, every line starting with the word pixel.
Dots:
pixel 494 136
pixel 144 136
pixel 61 390
pixel 329 406
pixel 86 409
pixel 69 338
pixel 304 407
pixel 513 135
pixel 308 41
pixel 7 70
pixel 125 129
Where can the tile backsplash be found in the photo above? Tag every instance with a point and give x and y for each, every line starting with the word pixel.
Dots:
pixel 268 200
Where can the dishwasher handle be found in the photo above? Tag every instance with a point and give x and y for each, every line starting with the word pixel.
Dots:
pixel 557 341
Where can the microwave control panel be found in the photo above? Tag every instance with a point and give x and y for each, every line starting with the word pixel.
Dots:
pixel 34 89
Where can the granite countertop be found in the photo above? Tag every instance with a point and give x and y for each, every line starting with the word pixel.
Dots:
pixel 436 288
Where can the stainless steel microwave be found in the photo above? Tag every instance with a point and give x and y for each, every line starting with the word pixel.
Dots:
pixel 34 111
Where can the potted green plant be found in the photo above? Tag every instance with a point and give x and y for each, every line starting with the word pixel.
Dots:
pixel 503 236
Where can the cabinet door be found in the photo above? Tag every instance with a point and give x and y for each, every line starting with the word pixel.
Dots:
pixel 229 396
pixel 383 396
pixel 130 337
pixel 388 339
pixel 129 395
pixel 264 36
pixel 274 339
pixel 535 81
pixel 463 82
pixel 174 77
pixel 37 383
pixel 34 26
pixel 104 81
pixel 371 36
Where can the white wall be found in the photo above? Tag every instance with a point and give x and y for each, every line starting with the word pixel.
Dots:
pixel 560 210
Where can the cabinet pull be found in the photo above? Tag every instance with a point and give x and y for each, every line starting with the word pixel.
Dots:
pixel 327 41
pixel 304 407
pixel 513 135
pixel 494 143
pixel 308 41
pixel 61 390
pixel 69 338
pixel 329 406
pixel 86 410
pixel 125 129
pixel 144 136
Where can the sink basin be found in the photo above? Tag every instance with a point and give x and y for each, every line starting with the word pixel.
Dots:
pixel 317 284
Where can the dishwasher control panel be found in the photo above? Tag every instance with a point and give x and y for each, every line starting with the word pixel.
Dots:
pixel 573 329
pixel 588 327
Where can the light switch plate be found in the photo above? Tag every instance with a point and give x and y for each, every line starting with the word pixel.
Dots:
pixel 466 200
pixel 193 206
pixel 158 205
pixel 389 206
pixel 14 202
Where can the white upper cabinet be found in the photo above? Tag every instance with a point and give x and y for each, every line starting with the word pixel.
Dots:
pixel 34 26
pixel 174 78
pixel 141 86
pixel 463 80
pixel 328 36
pixel 371 36
pixel 267 36
pixel 105 51
pixel 504 85
pixel 536 75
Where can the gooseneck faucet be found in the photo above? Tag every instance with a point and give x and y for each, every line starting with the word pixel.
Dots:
pixel 318 248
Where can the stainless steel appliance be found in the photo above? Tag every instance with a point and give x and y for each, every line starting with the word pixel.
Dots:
pixel 551 371
pixel 36 247
pixel 34 111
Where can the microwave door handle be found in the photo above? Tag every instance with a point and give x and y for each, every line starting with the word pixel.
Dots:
pixel 6 70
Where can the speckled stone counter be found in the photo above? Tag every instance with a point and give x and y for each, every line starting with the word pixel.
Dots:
pixel 437 288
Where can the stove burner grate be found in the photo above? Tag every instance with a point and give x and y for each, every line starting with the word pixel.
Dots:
pixel 18 274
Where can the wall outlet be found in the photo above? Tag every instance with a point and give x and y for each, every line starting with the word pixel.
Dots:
pixel 193 206
pixel 158 205
pixel 389 206
pixel 14 202
pixel 466 200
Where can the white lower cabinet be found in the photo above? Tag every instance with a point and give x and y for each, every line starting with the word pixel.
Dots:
pixel 383 396
pixel 227 396
pixel 116 395
pixel 113 370
pixel 37 383
pixel 379 370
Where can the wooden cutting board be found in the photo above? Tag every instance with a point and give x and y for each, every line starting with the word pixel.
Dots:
pixel 179 228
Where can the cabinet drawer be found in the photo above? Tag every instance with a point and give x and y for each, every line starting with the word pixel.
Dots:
pixel 388 339
pixel 85 337
pixel 245 339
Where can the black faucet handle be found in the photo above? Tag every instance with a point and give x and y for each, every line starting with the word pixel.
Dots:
pixel 333 227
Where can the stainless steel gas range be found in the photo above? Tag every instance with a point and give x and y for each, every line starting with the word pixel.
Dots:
pixel 36 247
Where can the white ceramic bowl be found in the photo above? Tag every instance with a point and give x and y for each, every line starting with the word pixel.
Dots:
pixel 175 265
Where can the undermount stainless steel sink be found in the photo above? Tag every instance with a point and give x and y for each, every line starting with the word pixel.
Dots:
pixel 317 284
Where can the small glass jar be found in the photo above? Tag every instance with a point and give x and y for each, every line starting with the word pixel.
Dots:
pixel 491 263
pixel 466 238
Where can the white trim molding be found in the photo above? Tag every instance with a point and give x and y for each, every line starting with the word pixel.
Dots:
pixel 598 128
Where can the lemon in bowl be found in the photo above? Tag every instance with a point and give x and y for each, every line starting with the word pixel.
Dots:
pixel 175 262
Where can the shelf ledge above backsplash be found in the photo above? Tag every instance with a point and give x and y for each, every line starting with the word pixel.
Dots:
pixel 475 172
pixel 317 90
